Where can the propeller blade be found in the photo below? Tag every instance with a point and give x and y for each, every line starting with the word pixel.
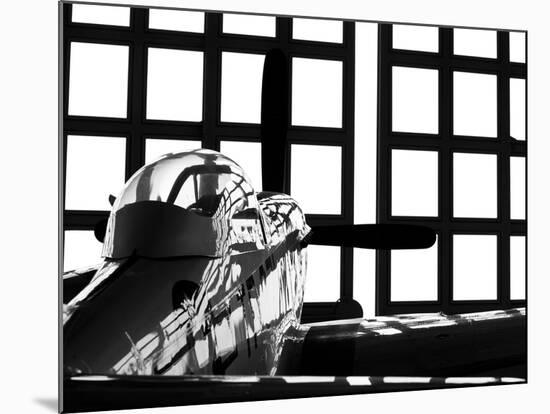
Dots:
pixel 100 229
pixel 374 236
pixel 274 119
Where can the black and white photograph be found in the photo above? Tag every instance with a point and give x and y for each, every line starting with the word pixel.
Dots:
pixel 262 204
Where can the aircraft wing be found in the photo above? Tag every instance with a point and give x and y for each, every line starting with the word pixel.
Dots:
pixel 357 356
pixel 430 345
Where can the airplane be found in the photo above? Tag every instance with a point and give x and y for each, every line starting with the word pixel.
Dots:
pixel 199 295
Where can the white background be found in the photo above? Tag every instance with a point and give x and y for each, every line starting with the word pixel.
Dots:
pixel 29 203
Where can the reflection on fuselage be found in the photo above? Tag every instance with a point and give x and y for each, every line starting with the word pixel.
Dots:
pixel 244 303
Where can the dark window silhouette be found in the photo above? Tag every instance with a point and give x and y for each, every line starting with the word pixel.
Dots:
pixel 473 192
pixel 205 50
pixel 447 81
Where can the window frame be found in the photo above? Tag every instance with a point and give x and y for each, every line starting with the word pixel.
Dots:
pixel 445 143
pixel 136 128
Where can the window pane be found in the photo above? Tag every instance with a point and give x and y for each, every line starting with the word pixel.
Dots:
pixel 155 148
pixel 365 128
pixel 174 84
pixel 81 249
pixel 365 137
pixel 98 80
pixel 474 267
pixel 414 274
pixel 249 156
pixel 249 25
pixel 316 178
pixel 95 169
pixel 472 42
pixel 177 20
pixel 317 92
pixel 517 108
pixel 517 267
pixel 241 87
pixel 517 188
pixel 318 30
pixel 415 100
pixel 409 37
pixel 517 47
pixel 474 185
pixel 364 280
pixel 113 16
pixel 414 183
pixel 475 104
pixel 323 274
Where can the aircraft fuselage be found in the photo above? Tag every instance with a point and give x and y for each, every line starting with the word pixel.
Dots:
pixel 136 317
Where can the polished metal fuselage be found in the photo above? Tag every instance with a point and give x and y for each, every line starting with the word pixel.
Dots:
pixel 125 320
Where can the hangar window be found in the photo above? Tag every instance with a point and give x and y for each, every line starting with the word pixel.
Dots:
pixel 104 15
pixel 174 84
pixel 475 42
pixel 412 37
pixel 414 183
pixel 244 24
pixel 326 168
pixel 474 104
pixel 475 131
pixel 317 30
pixel 517 47
pixel 517 188
pixel 98 79
pixel 317 92
pixel 322 282
pixel 86 186
pixel 241 93
pixel 448 111
pixel 474 267
pixel 161 81
pixel 414 275
pixel 82 249
pixel 474 185
pixel 517 108
pixel 176 20
pixel 414 100
pixel 517 267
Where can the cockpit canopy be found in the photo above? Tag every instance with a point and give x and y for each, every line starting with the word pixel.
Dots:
pixel 202 181
pixel 179 205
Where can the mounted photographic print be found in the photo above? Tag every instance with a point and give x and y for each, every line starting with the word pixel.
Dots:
pixel 264 207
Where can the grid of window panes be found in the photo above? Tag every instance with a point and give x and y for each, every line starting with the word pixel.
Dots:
pixel 139 83
pixel 451 155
